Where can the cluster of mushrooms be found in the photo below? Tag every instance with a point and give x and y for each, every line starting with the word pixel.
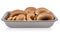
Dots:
pixel 30 14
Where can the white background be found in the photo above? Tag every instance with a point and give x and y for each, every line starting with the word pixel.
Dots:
pixel 52 33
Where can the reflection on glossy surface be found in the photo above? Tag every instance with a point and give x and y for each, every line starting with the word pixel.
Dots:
pixel 28 29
